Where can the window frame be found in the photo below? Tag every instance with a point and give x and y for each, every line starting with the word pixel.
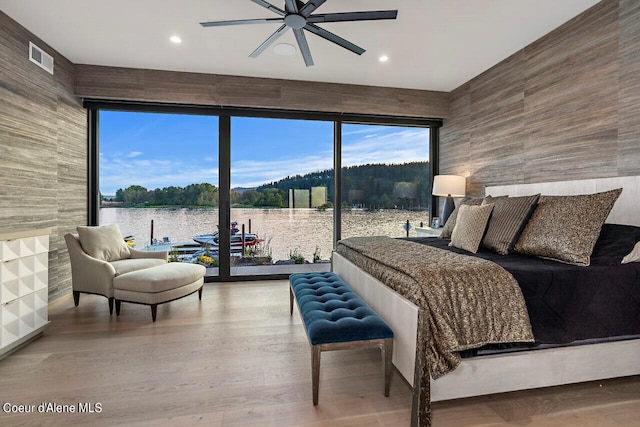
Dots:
pixel 225 114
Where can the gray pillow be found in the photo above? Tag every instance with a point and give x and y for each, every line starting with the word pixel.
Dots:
pixel 566 228
pixel 509 216
pixel 451 222
pixel 634 255
pixel 470 227
pixel 104 242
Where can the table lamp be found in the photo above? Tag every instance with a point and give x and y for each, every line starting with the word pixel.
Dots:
pixel 450 186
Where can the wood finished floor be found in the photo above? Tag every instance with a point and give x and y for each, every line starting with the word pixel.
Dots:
pixel 238 359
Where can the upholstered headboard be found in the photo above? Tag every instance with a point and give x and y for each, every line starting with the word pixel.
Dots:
pixel 625 211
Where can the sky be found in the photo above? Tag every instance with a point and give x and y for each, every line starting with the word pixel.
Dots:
pixel 157 150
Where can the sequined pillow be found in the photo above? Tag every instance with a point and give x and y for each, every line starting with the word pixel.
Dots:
pixel 451 222
pixel 470 227
pixel 566 228
pixel 509 216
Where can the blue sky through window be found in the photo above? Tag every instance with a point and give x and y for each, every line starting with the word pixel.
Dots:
pixel 159 150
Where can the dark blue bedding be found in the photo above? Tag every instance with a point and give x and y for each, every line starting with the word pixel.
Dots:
pixel 568 303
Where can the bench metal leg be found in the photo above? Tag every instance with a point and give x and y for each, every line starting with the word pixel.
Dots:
pixel 315 371
pixel 387 355
pixel 290 301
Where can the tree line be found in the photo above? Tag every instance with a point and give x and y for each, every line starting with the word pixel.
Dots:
pixel 370 186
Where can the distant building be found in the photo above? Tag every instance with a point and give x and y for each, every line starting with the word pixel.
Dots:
pixel 313 198
pixel 298 198
pixel 318 196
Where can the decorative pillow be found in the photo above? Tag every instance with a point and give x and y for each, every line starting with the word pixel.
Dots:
pixel 614 243
pixel 510 215
pixel 634 255
pixel 470 227
pixel 104 242
pixel 451 222
pixel 566 228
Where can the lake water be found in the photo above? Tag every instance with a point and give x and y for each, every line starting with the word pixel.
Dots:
pixel 304 230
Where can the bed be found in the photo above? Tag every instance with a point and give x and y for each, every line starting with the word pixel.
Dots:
pixel 501 372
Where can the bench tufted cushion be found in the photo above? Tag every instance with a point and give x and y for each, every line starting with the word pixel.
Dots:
pixel 332 312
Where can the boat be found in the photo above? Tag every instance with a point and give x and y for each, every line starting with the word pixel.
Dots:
pixel 182 251
pixel 212 241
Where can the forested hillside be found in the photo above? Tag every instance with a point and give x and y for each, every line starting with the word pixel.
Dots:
pixel 369 186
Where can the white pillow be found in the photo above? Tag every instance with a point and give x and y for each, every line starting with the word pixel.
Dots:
pixel 634 255
pixel 104 242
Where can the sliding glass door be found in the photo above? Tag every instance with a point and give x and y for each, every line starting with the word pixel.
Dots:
pixel 281 196
pixel 385 180
pixel 159 182
pixel 252 194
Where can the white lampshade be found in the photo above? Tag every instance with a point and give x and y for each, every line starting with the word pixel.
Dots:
pixel 445 185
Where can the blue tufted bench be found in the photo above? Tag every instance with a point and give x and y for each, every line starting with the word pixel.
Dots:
pixel 335 318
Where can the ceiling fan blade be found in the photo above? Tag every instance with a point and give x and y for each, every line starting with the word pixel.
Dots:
pixel 269 6
pixel 291 6
pixel 310 7
pixel 273 37
pixel 304 46
pixel 353 16
pixel 241 22
pixel 333 38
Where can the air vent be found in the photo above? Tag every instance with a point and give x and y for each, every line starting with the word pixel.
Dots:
pixel 41 58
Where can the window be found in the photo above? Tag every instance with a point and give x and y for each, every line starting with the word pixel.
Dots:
pixel 385 179
pixel 159 180
pixel 185 178
pixel 281 187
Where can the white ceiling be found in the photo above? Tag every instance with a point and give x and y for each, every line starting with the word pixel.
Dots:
pixel 433 44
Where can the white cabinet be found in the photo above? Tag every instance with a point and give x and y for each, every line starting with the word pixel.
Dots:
pixel 24 274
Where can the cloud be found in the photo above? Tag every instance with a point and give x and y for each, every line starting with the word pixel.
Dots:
pixel 118 172
pixel 378 144
pixel 252 173
pixel 401 146
pixel 133 154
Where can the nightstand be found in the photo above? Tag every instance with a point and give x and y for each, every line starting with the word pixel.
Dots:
pixel 428 231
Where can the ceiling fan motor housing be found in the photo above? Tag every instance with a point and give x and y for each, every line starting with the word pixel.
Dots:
pixel 295 21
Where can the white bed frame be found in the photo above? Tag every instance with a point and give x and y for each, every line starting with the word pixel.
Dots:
pixel 516 371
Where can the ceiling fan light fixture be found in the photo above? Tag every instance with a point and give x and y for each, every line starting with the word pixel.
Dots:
pixel 175 39
pixel 284 49
pixel 383 58
pixel 299 16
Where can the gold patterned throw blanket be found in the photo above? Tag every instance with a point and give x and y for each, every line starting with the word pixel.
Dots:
pixel 463 302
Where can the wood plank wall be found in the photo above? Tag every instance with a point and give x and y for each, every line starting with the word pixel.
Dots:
pixel 132 84
pixel 43 154
pixel 565 107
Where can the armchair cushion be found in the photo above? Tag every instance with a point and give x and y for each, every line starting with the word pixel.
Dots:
pixel 103 242
pixel 124 266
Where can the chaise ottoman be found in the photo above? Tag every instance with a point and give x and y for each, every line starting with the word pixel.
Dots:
pixel 157 285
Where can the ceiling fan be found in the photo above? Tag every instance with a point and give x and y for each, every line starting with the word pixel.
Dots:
pixel 299 16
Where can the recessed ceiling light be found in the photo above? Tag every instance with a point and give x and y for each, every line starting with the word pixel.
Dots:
pixel 175 39
pixel 383 58
pixel 284 49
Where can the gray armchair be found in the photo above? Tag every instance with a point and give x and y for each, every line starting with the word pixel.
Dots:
pixel 95 276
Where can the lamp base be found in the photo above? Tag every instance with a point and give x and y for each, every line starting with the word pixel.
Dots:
pixel 447 209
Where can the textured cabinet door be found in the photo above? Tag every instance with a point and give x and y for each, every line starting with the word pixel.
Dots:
pixel 24 274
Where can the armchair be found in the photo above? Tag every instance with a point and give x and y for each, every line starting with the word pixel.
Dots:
pixel 94 273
